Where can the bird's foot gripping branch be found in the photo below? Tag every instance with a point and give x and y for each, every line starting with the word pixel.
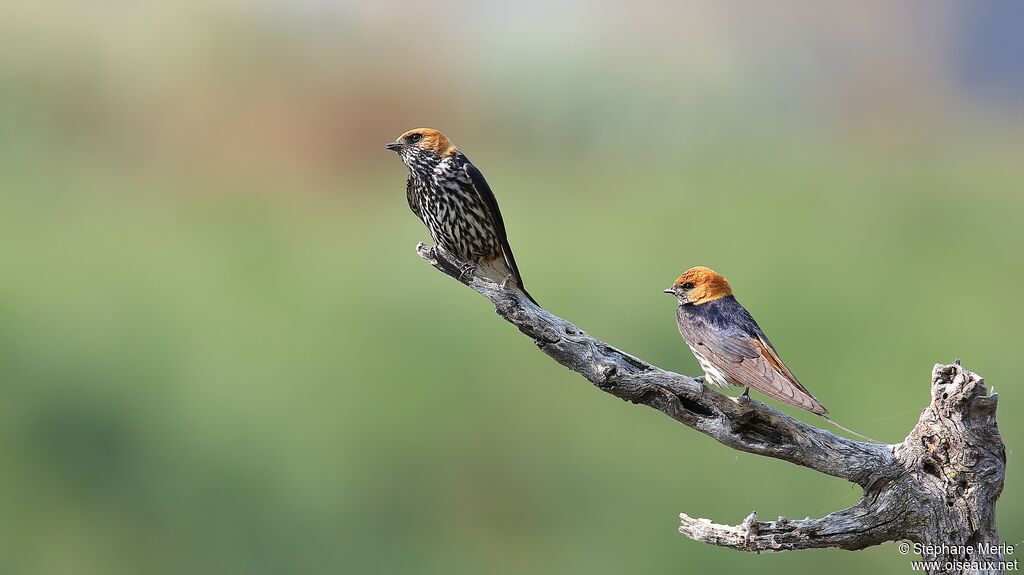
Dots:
pixel 937 488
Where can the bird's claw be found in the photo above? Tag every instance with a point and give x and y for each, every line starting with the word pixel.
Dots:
pixel 504 283
pixel 700 379
pixel 745 397
pixel 466 272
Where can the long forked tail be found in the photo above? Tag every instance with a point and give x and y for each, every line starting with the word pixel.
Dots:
pixel 498 270
pixel 850 431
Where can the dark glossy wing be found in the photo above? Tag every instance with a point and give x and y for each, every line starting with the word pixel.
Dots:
pixel 746 356
pixel 412 197
pixel 484 191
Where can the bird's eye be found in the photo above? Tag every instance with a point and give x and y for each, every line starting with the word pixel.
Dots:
pixel 414 137
pixel 688 285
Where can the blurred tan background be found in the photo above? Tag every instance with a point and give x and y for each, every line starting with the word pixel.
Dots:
pixel 219 352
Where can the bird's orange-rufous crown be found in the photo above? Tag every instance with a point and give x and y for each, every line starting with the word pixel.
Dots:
pixel 708 285
pixel 432 140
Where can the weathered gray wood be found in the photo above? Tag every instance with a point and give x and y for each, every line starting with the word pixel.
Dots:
pixel 938 487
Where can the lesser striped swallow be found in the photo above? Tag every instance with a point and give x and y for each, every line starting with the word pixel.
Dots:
pixel 728 343
pixel 454 200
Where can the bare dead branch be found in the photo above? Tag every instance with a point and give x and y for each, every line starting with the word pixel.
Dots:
pixel 939 486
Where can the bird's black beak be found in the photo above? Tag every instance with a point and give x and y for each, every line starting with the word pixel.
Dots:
pixel 669 291
pixel 393 146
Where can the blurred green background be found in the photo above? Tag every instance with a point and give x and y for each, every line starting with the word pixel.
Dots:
pixel 219 352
